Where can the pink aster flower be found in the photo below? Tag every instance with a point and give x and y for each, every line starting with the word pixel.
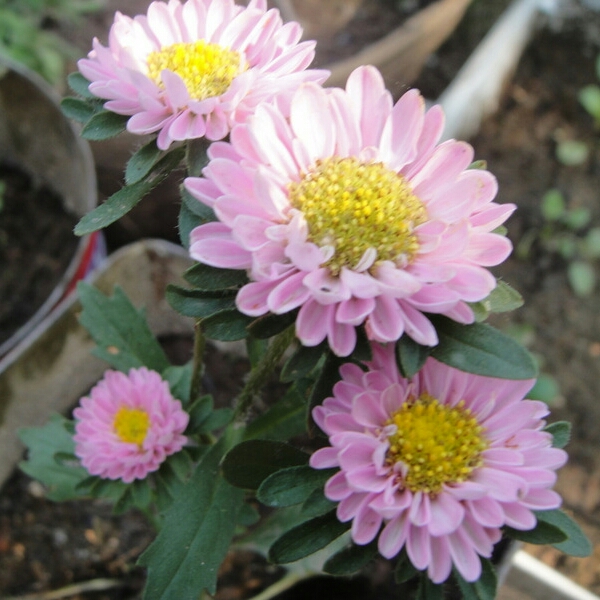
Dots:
pixel 352 212
pixel 193 69
pixel 436 465
pixel 128 425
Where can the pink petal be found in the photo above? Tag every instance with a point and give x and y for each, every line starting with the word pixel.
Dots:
pixel 312 322
pixel 393 536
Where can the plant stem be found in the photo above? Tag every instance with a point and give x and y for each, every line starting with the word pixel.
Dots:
pixel 263 370
pixel 280 586
pixel 198 364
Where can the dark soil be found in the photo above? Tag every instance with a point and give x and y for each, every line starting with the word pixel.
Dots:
pixel 45 546
pixel 36 246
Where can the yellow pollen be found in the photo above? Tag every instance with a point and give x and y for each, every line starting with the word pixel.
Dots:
pixel 356 206
pixel 131 425
pixel 207 69
pixel 427 442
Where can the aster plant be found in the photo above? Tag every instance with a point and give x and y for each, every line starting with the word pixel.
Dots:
pixel 350 249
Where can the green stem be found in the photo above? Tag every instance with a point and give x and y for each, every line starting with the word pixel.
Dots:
pixel 280 586
pixel 198 361
pixel 263 370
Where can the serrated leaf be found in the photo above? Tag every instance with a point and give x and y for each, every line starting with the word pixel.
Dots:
pixel 410 356
pixel 282 421
pixel 197 303
pixel 207 278
pixel 250 462
pixel 302 362
pixel 292 485
pixel 121 332
pixel 113 208
pixel 350 560
pixel 104 125
pixel 226 326
pixel 77 109
pixel 121 202
pixel 79 84
pixel 142 162
pixel 577 543
pixel 482 589
pixel 561 433
pixel 307 538
pixel 43 444
pixel 482 350
pixel 196 533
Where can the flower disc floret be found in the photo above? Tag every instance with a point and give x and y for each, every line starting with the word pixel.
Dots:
pixel 436 465
pixel 206 69
pixel 355 207
pixel 345 208
pixel 435 444
pixel 128 425
pixel 195 68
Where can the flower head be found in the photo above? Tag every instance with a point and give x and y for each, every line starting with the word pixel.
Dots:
pixel 437 464
pixel 192 69
pixel 350 211
pixel 128 425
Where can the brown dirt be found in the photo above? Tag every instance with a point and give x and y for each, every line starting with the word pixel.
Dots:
pixel 539 108
pixel 36 247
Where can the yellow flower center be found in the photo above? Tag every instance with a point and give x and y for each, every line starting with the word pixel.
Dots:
pixel 207 69
pixel 437 443
pixel 131 425
pixel 354 206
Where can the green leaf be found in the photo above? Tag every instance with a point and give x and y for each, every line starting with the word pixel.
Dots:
pixel 292 485
pixel 104 125
pixel 578 218
pixel 79 84
pixel 142 162
pixel 249 463
pixel 410 356
pixel 77 109
pixel 482 589
pixel 576 544
pixel 404 570
pixel 197 303
pixel 482 350
pixel 207 278
pixel 204 213
pixel 199 412
pixel 545 389
pixel 180 381
pixel 561 433
pixel 226 326
pixel 217 419
pixel 195 535
pixel 329 376
pixel 545 532
pixel 121 202
pixel 282 421
pixel 572 152
pixel 316 504
pixel 307 538
pixel 350 560
pixel 43 444
pixel 428 590
pixel 582 277
pixel 113 208
pixel 120 330
pixel 302 362
pixel 553 205
pixel 589 97
pixel 503 298
pixel 591 243
pixel 270 325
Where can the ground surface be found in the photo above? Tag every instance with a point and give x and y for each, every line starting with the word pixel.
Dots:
pixel 43 546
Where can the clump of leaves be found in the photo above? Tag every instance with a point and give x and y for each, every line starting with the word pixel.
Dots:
pixel 566 232
pixel 28 33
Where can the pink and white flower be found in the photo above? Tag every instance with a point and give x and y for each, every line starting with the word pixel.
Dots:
pixel 436 465
pixel 195 68
pixel 350 210
pixel 128 425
